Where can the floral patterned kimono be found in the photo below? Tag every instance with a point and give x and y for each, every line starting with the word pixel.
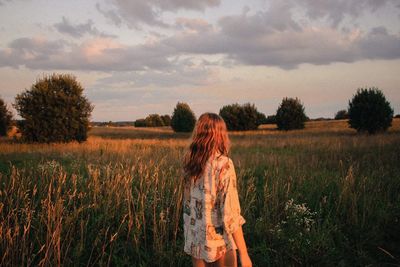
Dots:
pixel 211 210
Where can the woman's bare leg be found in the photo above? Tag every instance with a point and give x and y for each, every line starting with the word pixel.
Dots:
pixel 198 263
pixel 228 260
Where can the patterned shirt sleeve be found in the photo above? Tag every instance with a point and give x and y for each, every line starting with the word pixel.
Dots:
pixel 230 206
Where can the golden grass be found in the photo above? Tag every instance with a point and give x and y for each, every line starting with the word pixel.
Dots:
pixel 116 199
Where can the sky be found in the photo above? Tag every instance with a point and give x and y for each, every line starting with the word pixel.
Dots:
pixel 138 57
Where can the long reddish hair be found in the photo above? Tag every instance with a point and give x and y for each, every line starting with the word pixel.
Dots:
pixel 209 136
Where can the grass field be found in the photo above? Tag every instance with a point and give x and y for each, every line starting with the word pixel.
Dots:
pixel 322 196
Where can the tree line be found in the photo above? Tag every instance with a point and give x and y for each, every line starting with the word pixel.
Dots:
pixel 55 110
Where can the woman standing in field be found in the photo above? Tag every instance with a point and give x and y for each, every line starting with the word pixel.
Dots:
pixel 211 209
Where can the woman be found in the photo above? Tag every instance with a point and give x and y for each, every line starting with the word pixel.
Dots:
pixel 212 219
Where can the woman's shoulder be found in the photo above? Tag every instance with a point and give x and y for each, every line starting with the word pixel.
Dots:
pixel 223 161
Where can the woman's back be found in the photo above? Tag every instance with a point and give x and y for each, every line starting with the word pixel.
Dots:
pixel 212 210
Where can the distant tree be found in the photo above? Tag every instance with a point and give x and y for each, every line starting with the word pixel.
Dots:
pixel 241 117
pixel 290 114
pixel 154 120
pixel 262 119
pixel 183 118
pixel 231 115
pixel 54 110
pixel 5 118
pixel 166 119
pixel 370 111
pixel 271 119
pixel 397 116
pixel 342 115
pixel 140 123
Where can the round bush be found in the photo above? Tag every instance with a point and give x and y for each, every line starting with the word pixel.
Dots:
pixel 369 111
pixel 5 118
pixel 166 120
pixel 290 114
pixel 140 123
pixel 154 120
pixel 241 117
pixel 342 115
pixel 183 118
pixel 54 110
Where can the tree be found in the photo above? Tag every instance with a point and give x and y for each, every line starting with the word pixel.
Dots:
pixel 5 118
pixel 183 118
pixel 166 119
pixel 370 111
pixel 271 119
pixel 290 114
pixel 154 120
pixel 342 115
pixel 261 118
pixel 140 123
pixel 54 110
pixel 231 115
pixel 241 117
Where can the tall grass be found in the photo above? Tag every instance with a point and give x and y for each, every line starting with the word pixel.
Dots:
pixel 321 196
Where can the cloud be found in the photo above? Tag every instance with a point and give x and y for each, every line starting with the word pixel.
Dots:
pixel 79 30
pixel 266 38
pixel 379 44
pixel 196 25
pixel 137 12
pixel 25 50
pixel 3 2
pixel 183 72
pixel 98 54
pixel 336 11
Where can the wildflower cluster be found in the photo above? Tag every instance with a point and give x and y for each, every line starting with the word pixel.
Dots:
pixel 300 215
pixel 296 225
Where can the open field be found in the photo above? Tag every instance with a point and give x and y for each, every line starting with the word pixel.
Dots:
pixel 116 199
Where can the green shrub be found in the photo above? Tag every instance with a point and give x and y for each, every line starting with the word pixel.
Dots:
pixel 166 120
pixel 262 119
pixel 54 110
pixel 369 111
pixel 140 123
pixel 241 117
pixel 271 119
pixel 5 118
pixel 290 114
pixel 342 115
pixel 154 120
pixel 183 118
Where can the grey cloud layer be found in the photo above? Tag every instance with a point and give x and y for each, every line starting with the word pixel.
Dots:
pixel 48 55
pixel 138 12
pixel 183 73
pixel 264 39
pixel 270 38
pixel 337 10
pixel 79 30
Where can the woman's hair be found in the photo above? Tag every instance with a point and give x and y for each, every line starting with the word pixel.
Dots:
pixel 209 136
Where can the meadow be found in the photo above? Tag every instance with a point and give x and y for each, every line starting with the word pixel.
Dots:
pixel 322 196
